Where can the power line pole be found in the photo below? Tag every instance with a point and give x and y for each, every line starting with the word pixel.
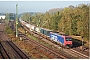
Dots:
pixel 17 20
pixel 7 17
pixel 39 24
pixel 29 20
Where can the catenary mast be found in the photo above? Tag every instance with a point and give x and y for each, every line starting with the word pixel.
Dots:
pixel 16 20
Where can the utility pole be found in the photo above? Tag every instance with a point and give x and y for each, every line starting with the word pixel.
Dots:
pixel 63 25
pixel 16 20
pixel 39 24
pixel 7 17
pixel 29 19
pixel 82 41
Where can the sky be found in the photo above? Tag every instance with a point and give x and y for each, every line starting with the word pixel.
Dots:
pixel 35 6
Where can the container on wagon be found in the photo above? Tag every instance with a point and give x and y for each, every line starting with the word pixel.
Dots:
pixel 41 30
pixel 45 31
pixel 28 25
pixel 37 29
pixel 32 28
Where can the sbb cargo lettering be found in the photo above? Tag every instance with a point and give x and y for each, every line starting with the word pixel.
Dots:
pixel 54 37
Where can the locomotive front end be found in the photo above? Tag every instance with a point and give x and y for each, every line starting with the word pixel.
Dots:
pixel 68 41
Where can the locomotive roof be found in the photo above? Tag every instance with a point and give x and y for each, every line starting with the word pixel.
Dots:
pixel 60 34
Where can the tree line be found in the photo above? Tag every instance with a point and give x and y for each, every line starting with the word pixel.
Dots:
pixel 71 20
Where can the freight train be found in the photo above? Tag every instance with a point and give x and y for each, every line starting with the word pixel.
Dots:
pixel 62 39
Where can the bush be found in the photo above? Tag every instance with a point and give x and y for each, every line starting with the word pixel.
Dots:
pixel 8 30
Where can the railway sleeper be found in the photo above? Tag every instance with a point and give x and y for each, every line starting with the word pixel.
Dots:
pixel 46 52
pixel 41 50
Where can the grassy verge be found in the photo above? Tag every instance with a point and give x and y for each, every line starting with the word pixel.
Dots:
pixel 42 42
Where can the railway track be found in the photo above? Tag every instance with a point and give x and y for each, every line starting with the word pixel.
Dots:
pixel 79 54
pixel 46 51
pixel 76 53
pixel 85 52
pixel 43 49
pixel 10 51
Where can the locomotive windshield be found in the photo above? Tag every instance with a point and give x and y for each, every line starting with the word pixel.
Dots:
pixel 68 39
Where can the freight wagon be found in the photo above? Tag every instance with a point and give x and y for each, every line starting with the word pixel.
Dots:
pixel 45 31
pixel 64 40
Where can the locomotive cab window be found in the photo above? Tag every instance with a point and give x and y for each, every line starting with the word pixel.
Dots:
pixel 68 39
